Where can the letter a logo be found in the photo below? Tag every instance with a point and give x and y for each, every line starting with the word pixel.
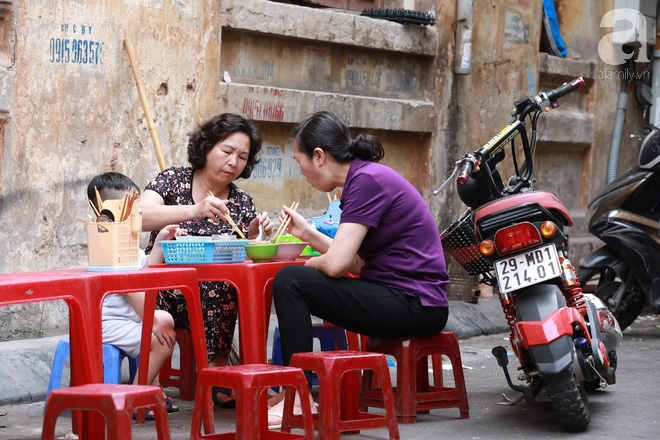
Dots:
pixel 610 47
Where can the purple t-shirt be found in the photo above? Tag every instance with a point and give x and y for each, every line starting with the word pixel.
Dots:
pixel 402 249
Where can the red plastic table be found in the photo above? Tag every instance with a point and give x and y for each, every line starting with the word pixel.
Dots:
pixel 84 292
pixel 255 294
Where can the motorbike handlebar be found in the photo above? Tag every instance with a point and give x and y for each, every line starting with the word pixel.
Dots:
pixel 548 100
pixel 464 172
pixel 565 89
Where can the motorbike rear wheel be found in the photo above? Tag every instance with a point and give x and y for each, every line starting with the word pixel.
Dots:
pixel 631 304
pixel 569 399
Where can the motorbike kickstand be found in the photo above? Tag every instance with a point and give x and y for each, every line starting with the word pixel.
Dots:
pixel 526 393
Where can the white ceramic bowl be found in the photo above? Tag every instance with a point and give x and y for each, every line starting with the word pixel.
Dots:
pixel 192 238
pixel 289 251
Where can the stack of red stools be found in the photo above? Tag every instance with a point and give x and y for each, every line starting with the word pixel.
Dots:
pixel 413 393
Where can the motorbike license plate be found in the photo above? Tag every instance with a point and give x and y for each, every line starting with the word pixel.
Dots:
pixel 523 270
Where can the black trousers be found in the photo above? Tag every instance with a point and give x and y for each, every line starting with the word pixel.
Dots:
pixel 359 306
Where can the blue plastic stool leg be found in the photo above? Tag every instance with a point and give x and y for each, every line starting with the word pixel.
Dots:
pixel 112 359
pixel 276 354
pixel 111 364
pixel 61 354
pixel 330 336
pixel 133 364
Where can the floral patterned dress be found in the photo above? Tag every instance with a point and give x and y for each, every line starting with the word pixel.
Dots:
pixel 219 300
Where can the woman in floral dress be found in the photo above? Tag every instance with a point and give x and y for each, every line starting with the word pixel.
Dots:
pixel 221 150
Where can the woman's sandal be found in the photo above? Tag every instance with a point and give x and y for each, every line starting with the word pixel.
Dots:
pixel 169 403
pixel 231 403
pixel 148 416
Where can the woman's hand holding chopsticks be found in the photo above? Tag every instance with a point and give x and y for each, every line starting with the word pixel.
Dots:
pixel 293 223
pixel 211 208
pixel 225 215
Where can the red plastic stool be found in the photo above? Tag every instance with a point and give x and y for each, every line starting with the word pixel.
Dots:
pixel 338 399
pixel 250 382
pixel 185 377
pixel 412 392
pixel 116 402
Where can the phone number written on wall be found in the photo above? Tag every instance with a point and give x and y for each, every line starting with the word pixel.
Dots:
pixel 76 51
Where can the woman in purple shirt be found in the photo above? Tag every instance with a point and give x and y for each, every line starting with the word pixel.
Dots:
pixel 387 235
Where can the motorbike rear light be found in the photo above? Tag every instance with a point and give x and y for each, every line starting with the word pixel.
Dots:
pixel 548 229
pixel 516 237
pixel 487 247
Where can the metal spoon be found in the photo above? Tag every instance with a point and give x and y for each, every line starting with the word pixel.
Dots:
pixel 107 214
pixel 262 234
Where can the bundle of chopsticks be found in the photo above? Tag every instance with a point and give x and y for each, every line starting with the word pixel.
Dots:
pixel 282 229
pixel 230 221
pixel 126 207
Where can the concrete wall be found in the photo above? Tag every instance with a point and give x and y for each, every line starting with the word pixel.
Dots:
pixel 70 114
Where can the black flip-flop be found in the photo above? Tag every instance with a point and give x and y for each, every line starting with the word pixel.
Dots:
pixel 148 416
pixel 227 392
pixel 169 403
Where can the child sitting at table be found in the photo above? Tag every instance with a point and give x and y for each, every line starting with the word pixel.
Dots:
pixel 122 313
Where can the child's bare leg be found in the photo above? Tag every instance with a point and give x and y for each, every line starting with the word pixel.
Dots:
pixel 159 353
pixel 157 357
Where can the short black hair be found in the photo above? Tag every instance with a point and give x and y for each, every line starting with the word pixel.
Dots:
pixel 110 185
pixel 218 129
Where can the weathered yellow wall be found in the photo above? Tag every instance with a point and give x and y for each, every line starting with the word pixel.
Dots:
pixel 76 110
pixel 65 118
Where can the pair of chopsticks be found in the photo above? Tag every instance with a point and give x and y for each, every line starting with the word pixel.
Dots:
pixel 337 196
pixel 284 224
pixel 127 207
pixel 96 211
pixel 230 221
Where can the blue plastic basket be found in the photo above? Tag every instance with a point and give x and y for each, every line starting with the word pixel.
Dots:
pixel 204 252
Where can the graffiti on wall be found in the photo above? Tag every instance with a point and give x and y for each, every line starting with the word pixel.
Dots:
pixel 262 70
pixel 270 163
pixel 264 103
pixel 76 45
pixel 364 72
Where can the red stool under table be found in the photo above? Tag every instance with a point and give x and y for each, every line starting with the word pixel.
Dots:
pixel 413 393
pixel 338 399
pixel 250 383
pixel 116 402
pixel 185 377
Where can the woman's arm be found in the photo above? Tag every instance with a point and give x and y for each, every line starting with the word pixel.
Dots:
pixel 156 214
pixel 341 255
pixel 167 233
pixel 300 228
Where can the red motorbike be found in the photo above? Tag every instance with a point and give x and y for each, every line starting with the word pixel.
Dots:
pixel 513 237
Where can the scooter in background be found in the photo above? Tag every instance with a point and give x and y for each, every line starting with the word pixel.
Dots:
pixel 626 217
pixel 514 238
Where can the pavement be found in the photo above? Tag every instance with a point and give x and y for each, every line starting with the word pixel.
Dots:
pixel 25 367
pixel 627 409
